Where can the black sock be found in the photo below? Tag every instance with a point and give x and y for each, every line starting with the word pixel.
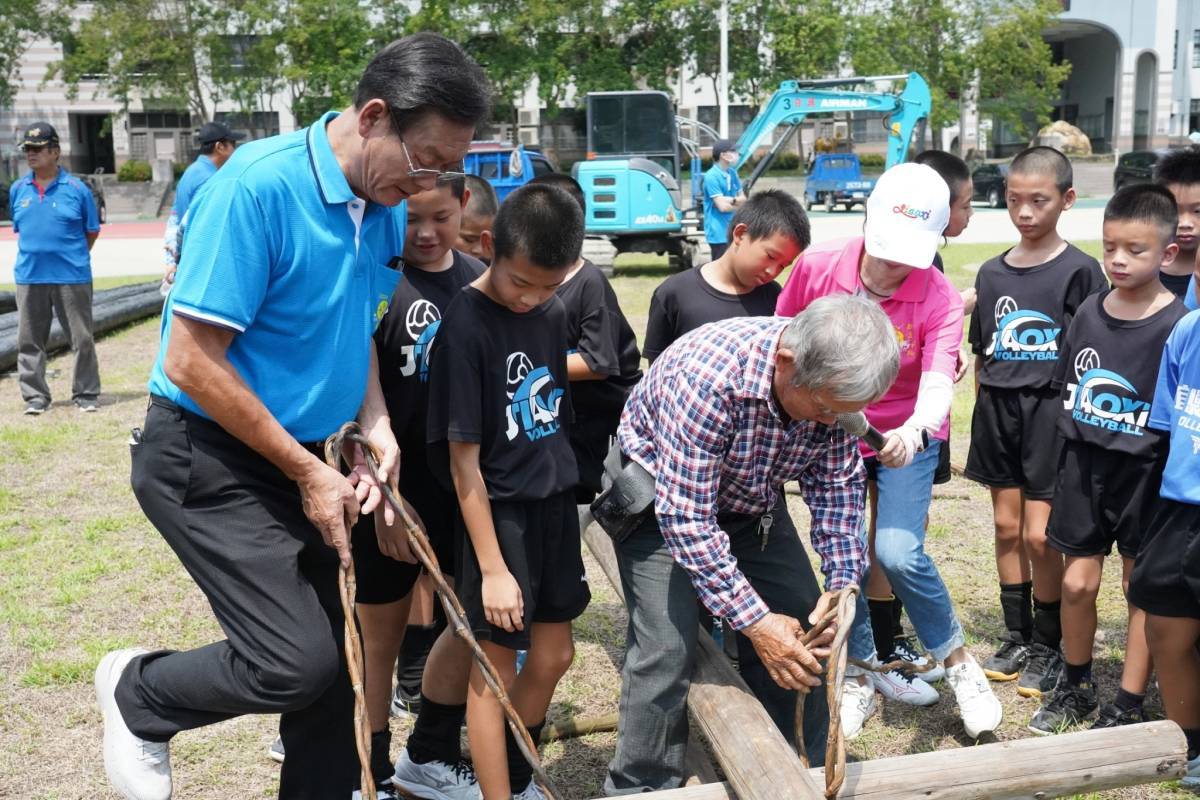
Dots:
pixel 897 611
pixel 1047 623
pixel 414 650
pixel 435 736
pixel 1128 701
pixel 520 773
pixel 881 625
pixel 381 756
pixel 1015 603
pixel 1078 673
pixel 1193 742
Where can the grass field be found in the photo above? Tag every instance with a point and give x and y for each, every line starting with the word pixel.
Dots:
pixel 81 572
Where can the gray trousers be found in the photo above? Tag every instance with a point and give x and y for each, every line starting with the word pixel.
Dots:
pixel 660 649
pixel 37 304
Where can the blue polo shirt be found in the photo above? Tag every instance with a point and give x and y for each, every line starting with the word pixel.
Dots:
pixel 271 252
pixel 190 181
pixel 718 183
pixel 53 228
pixel 1189 297
pixel 1176 409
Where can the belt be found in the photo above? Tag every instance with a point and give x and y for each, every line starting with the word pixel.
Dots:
pixel 317 448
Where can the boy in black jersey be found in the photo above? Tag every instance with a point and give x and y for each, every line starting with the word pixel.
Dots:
pixel 1027 297
pixel 1112 461
pixel 499 403
pixel 1179 171
pixel 386 570
pixel 602 357
pixel 475 232
pixel 766 234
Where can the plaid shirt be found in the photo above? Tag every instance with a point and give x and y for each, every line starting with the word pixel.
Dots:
pixel 704 423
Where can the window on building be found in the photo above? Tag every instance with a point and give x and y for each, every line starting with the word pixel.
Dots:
pixel 1196 48
pixel 254 125
pixel 1175 53
pixel 236 52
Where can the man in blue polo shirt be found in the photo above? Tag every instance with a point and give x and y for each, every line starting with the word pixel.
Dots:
pixel 54 216
pixel 217 143
pixel 722 194
pixel 266 350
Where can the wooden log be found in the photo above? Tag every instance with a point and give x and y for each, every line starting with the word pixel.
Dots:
pixel 1036 768
pixel 757 760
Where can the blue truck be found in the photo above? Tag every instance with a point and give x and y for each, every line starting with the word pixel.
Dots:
pixel 836 179
pixel 505 166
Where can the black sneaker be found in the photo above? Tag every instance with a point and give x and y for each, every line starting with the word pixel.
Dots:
pixel 1041 672
pixel 1006 663
pixel 1112 716
pixel 276 752
pixel 1069 705
pixel 36 407
pixel 406 701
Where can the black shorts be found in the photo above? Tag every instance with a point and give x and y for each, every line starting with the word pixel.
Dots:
pixel 590 440
pixel 1166 575
pixel 1015 441
pixel 940 475
pixel 383 579
pixel 380 579
pixel 539 540
pixel 1102 497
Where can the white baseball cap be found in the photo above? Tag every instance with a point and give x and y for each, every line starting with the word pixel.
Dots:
pixel 906 214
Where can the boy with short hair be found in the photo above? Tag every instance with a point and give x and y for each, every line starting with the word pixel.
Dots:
pixel 1111 463
pixel 766 234
pixel 1027 297
pixel 1166 576
pixel 1179 171
pixel 475 232
pixel 434 273
pixel 603 363
pixel 499 400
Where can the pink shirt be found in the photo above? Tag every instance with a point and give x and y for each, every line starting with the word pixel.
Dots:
pixel 926 312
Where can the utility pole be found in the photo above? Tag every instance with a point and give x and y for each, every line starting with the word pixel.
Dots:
pixel 723 100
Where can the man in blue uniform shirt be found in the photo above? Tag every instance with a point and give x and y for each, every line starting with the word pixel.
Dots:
pixel 266 350
pixel 217 142
pixel 722 194
pixel 54 216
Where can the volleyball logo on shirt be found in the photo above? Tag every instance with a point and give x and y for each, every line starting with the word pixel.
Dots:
pixel 421 321
pixel 534 400
pixel 1103 399
pixel 1022 335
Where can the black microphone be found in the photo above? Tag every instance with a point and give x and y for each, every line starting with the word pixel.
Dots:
pixel 855 423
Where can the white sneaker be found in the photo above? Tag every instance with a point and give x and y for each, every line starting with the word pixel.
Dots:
pixel 858 703
pixel 895 685
pixel 531 792
pixel 436 780
pixel 978 707
pixel 137 769
pixel 904 650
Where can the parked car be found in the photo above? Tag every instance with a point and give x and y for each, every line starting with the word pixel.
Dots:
pixel 94 183
pixel 836 179
pixel 991 184
pixel 1136 166
pixel 506 166
pixel 5 213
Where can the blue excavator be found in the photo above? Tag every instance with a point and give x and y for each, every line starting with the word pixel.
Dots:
pixel 631 177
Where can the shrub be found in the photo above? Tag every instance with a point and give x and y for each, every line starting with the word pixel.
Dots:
pixel 178 169
pixel 872 160
pixel 132 171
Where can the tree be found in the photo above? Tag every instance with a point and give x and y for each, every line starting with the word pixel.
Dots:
pixel 21 22
pixel 1018 79
pixel 324 46
pixel 148 48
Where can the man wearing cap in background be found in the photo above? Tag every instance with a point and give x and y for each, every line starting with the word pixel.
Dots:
pixel 217 142
pixel 55 218
pixel 722 194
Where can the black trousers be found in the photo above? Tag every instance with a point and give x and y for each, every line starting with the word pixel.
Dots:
pixel 236 523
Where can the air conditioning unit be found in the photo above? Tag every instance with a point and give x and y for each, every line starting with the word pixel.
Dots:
pixel 528 117
pixel 529 136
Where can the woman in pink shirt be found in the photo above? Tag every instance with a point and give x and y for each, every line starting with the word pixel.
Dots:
pixel 906 215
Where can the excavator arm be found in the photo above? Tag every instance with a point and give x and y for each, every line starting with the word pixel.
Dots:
pixel 794 101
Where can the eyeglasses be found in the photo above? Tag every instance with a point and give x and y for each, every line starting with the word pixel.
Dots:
pixel 439 175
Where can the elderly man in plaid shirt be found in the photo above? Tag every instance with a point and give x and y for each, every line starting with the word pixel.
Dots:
pixel 723 419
